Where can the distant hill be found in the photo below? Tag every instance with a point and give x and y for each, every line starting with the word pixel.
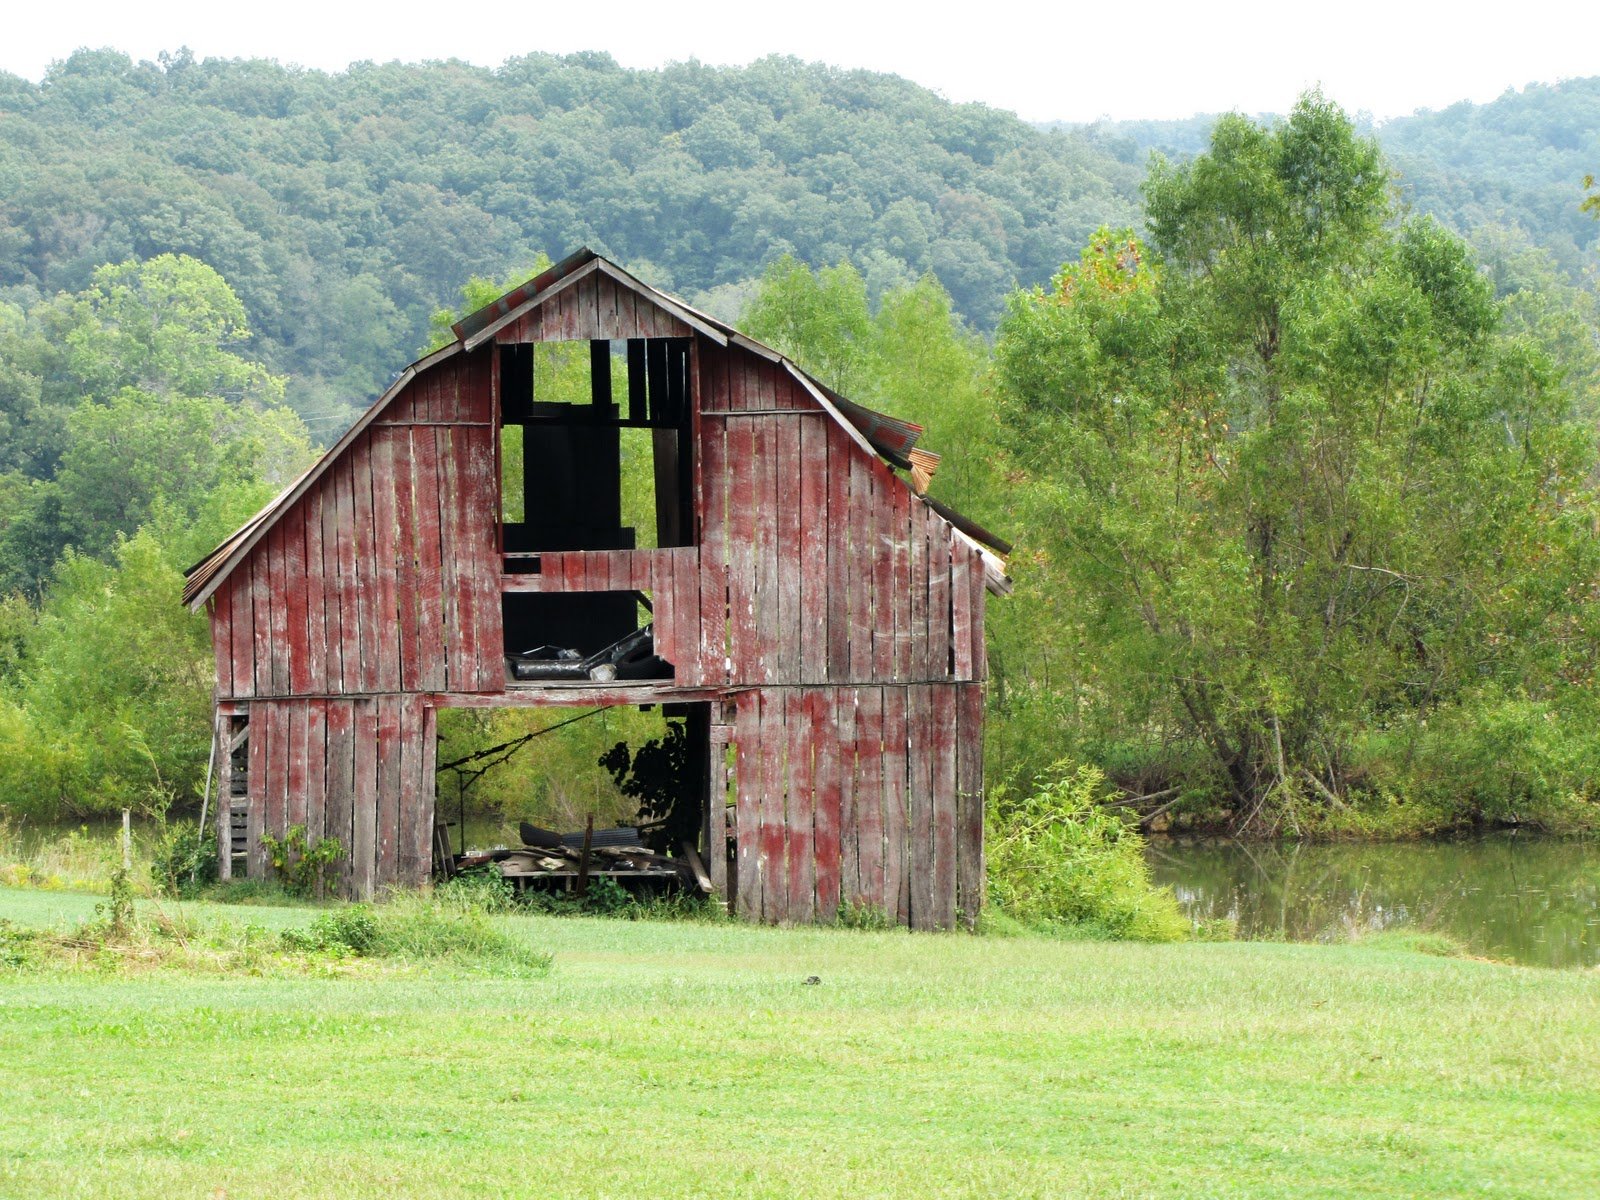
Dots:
pixel 345 207
pixel 1515 164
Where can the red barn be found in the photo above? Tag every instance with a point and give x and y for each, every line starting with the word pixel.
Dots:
pixel 808 606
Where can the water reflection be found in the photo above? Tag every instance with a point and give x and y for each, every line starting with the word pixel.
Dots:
pixel 1526 899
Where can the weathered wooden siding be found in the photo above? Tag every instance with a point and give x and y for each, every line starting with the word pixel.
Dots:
pixel 594 307
pixel 833 617
pixel 817 563
pixel 870 795
pixel 360 770
pixel 384 577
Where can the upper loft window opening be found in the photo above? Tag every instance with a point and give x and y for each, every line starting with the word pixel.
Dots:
pixel 595 446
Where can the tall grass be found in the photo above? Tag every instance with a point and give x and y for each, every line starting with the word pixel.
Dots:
pixel 77 859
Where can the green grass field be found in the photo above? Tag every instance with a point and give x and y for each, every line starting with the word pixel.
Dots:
pixel 674 1059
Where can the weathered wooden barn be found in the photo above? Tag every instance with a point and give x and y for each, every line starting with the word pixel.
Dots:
pixel 810 608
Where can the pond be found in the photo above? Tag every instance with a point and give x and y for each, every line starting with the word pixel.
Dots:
pixel 1525 899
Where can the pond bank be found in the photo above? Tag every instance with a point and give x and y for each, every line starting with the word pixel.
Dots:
pixel 1527 899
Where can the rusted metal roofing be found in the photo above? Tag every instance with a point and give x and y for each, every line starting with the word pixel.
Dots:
pixel 890 437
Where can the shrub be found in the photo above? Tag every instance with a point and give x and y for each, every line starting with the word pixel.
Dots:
pixel 451 924
pixel 1057 859
pixel 182 860
pixel 300 864
pixel 488 890
pixel 343 931
pixel 858 914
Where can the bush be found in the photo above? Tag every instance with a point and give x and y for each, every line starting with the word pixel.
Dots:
pixel 351 931
pixel 300 864
pixel 182 860
pixel 1058 860
pixel 488 890
pixel 452 924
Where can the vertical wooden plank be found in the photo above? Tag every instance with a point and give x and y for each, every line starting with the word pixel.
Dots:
pixel 774 770
pixel 280 647
pixel 860 526
pixel 448 635
pixel 970 879
pixel 813 549
pixel 900 536
pixel 430 565
pixel 800 863
pixel 980 599
pixel 316 770
pixel 765 514
pixel 747 809
pixel 242 630
pixel 296 640
pixel 385 561
pixel 919 857
pixel 945 804
pixel 716 827
pixel 275 725
pixel 340 805
pixel 838 571
pixel 348 578
pixel 844 740
pixel 256 783
pixel 824 727
pixel 463 666
pixel 686 602
pixel 374 631
pixel 938 542
pixel 466 658
pixel 713 550
pixel 402 553
pixel 961 607
pixel 917 535
pixel 295 788
pixel 261 622
pixel 869 799
pixel 896 878
pixel 789 550
pixel 476 394
pixel 490 635
pixel 422 827
pixel 711 451
pixel 332 623
pixel 316 612
pixel 743 499
pixel 221 734
pixel 883 591
pixel 364 799
pixel 220 611
pixel 391 755
pixel 408 870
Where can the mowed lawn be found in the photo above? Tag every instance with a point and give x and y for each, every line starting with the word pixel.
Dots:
pixel 683 1060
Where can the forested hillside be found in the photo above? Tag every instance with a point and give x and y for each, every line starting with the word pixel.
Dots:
pixel 344 208
pixel 1503 174
pixel 1192 430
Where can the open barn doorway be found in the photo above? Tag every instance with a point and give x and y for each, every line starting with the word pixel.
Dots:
pixel 591 804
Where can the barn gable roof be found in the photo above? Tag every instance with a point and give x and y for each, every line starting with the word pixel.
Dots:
pixel 891 438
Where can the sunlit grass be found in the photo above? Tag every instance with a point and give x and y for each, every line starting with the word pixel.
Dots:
pixel 695 1059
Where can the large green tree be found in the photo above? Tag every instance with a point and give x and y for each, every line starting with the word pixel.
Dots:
pixel 1293 488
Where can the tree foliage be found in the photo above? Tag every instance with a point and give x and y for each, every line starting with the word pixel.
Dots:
pixel 1292 484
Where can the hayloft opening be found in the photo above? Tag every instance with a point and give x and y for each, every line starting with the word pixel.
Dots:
pixel 595 455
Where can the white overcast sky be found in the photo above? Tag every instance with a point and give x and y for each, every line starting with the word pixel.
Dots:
pixel 1147 58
